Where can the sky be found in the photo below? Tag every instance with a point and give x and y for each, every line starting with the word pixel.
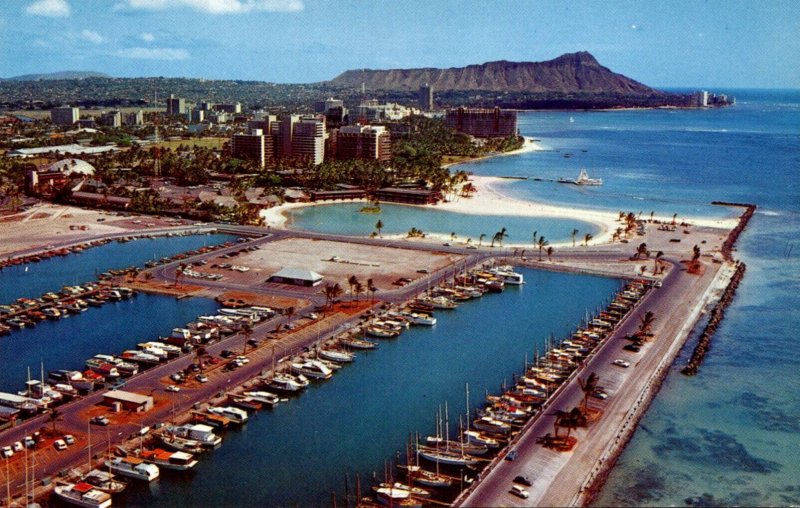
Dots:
pixel 665 43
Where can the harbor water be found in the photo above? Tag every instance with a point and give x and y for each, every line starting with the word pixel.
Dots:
pixel 299 452
pixel 32 280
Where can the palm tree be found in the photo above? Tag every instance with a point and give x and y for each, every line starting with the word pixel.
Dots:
pixel 358 289
pixel 574 232
pixel 657 261
pixel 651 216
pixel 453 236
pixel 379 226
pixel 641 250
pixel 534 237
pixel 674 216
pixel 498 237
pixel 646 322
pixel 542 244
pixel 586 238
pixel 336 292
pixel 588 386
pixel 179 272
pixel 549 253
pixel 199 353
pixel 247 332
pixel 480 239
pixel 695 253
pixel 328 291
pixel 352 281
pixel 371 289
pixel 54 415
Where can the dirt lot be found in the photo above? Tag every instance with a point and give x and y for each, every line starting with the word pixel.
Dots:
pixel 335 261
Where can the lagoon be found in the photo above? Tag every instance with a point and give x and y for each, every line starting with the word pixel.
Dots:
pixel 346 219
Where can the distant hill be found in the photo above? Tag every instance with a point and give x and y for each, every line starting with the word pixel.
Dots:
pixel 58 75
pixel 570 73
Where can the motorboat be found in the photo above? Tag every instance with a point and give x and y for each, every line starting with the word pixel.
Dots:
pixel 507 274
pixel 336 355
pixel 204 434
pixel 180 444
pixel 83 494
pixel 133 467
pixel 230 412
pixel 267 398
pixel 420 318
pixel 177 461
pixel 105 481
pixel 356 343
pixel 313 369
pixel 286 383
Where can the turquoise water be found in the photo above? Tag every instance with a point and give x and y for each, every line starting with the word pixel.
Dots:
pixel 35 279
pixel 727 436
pixel 299 452
pixel 345 219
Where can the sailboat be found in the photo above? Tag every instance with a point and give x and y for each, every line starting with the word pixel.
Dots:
pixel 583 179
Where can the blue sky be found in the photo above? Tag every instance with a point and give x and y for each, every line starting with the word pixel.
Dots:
pixel 725 43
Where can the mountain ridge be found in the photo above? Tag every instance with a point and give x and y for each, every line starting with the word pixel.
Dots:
pixel 569 73
pixel 50 76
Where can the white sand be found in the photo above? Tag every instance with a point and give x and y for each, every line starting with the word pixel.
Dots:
pixel 490 201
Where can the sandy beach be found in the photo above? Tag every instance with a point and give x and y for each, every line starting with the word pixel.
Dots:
pixel 490 200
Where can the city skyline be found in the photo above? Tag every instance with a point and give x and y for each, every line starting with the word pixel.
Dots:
pixel 672 44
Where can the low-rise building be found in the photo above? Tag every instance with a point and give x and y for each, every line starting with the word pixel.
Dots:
pixel 128 401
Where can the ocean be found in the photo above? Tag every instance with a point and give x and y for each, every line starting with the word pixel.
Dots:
pixel 727 436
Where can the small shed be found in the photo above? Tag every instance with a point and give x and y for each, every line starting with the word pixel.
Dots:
pixel 129 401
pixel 296 276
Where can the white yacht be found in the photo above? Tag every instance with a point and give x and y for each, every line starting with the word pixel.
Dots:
pixel 267 398
pixel 234 413
pixel 133 467
pixel 204 434
pixel 312 368
pixel 83 494
pixel 336 355
pixel 507 274
pixel 417 318
pixel 178 461
pixel 287 383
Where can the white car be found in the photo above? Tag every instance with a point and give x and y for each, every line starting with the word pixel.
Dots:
pixel 60 445
pixel 69 439
pixel 621 363
pixel 172 388
pixel 17 446
pixel 6 452
pixel 243 360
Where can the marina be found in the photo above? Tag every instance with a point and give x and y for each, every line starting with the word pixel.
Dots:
pixel 455 314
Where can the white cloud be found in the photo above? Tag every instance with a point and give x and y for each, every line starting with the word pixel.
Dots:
pixel 147 37
pixel 154 53
pixel 49 8
pixel 221 6
pixel 92 36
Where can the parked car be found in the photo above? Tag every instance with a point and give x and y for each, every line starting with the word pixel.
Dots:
pixel 227 353
pixel 631 347
pixel 621 363
pixel 69 439
pixel 202 378
pixel 519 491
pixel 523 480
pixel 512 455
pixel 599 394
pixel 172 388
pixel 7 452
pixel 100 420
pixel 17 446
pixel 60 445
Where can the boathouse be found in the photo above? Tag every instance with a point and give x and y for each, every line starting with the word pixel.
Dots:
pixel 128 401
pixel 296 276
pixel 408 196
